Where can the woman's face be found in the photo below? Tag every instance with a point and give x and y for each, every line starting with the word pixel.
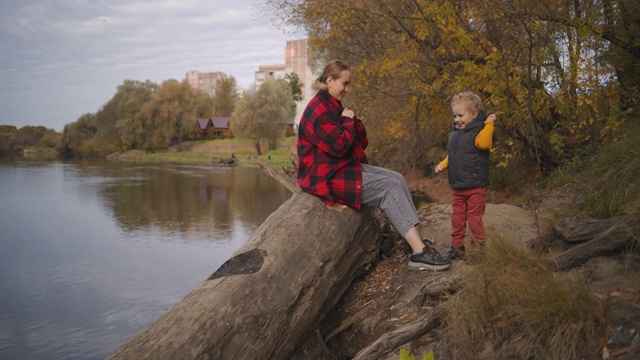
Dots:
pixel 339 87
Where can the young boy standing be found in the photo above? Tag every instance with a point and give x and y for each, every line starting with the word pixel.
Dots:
pixel 468 163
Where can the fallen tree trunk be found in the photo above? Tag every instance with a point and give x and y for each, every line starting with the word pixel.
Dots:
pixel 274 290
pixel 285 178
pixel 594 237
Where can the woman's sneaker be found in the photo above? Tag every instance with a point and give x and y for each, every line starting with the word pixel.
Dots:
pixel 429 259
pixel 455 252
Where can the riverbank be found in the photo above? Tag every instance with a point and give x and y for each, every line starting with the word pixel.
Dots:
pixel 240 154
pixel 389 299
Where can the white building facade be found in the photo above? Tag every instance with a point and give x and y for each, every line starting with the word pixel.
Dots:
pixel 296 60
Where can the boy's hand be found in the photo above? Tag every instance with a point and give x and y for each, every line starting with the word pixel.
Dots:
pixel 439 168
pixel 491 117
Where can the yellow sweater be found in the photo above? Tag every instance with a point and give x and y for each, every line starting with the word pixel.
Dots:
pixel 484 140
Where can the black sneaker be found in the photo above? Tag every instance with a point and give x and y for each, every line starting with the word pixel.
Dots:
pixel 429 259
pixel 455 252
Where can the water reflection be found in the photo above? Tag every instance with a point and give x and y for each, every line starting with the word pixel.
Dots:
pixel 92 252
pixel 181 199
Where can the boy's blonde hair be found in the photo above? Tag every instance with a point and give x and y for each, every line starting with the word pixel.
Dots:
pixel 473 100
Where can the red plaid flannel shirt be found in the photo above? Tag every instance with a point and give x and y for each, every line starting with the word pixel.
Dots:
pixel 330 152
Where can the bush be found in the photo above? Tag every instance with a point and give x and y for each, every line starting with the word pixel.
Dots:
pixel 606 181
pixel 615 190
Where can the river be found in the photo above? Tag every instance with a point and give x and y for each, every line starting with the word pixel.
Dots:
pixel 91 252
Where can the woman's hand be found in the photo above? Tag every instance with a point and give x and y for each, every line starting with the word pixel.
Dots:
pixel 439 168
pixel 348 113
pixel 491 117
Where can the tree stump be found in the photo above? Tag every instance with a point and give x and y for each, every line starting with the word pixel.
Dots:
pixel 273 291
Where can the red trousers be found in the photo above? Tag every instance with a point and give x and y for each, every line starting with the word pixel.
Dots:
pixel 468 208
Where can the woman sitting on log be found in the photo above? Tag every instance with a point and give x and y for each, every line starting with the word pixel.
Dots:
pixel 333 166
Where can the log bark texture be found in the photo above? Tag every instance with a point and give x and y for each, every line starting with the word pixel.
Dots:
pixel 407 333
pixel 273 291
pixel 594 237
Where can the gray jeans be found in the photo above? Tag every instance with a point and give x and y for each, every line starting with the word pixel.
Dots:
pixel 388 190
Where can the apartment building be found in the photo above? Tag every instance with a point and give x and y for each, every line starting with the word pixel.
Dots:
pixel 297 54
pixel 207 82
pixel 269 73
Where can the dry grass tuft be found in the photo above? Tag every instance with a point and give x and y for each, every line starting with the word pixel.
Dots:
pixel 513 306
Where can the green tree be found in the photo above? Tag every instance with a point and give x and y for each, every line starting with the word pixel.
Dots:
pixel 107 137
pixel 296 86
pixel 276 108
pixel 174 110
pixel 225 97
pixel 51 138
pixel 244 119
pixel 8 129
pixel 12 138
pixel 134 127
pixel 77 136
pixel 203 103
pixel 31 135
pixel 264 114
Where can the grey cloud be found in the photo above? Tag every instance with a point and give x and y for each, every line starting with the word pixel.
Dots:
pixel 71 55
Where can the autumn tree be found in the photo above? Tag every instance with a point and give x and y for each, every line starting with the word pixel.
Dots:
pixel 615 23
pixel 29 136
pixel 540 65
pixel 262 114
pixel 107 138
pixel 244 119
pixel 134 127
pixel 174 110
pixel 12 138
pixel 8 137
pixel 276 108
pixel 77 136
pixel 225 98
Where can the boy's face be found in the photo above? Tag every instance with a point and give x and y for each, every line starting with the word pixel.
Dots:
pixel 462 115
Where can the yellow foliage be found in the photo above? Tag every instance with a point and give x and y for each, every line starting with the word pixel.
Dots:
pixel 396 130
pixel 537 64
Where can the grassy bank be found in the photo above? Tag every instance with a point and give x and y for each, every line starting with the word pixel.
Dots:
pixel 237 147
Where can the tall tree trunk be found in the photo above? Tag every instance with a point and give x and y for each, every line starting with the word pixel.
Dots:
pixel 257 144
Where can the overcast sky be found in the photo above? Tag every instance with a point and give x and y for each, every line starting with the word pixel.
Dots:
pixel 60 59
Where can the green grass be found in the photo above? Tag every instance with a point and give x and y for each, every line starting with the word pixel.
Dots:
pixel 175 157
pixel 290 140
pixel 615 190
pixel 279 157
pixel 607 180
